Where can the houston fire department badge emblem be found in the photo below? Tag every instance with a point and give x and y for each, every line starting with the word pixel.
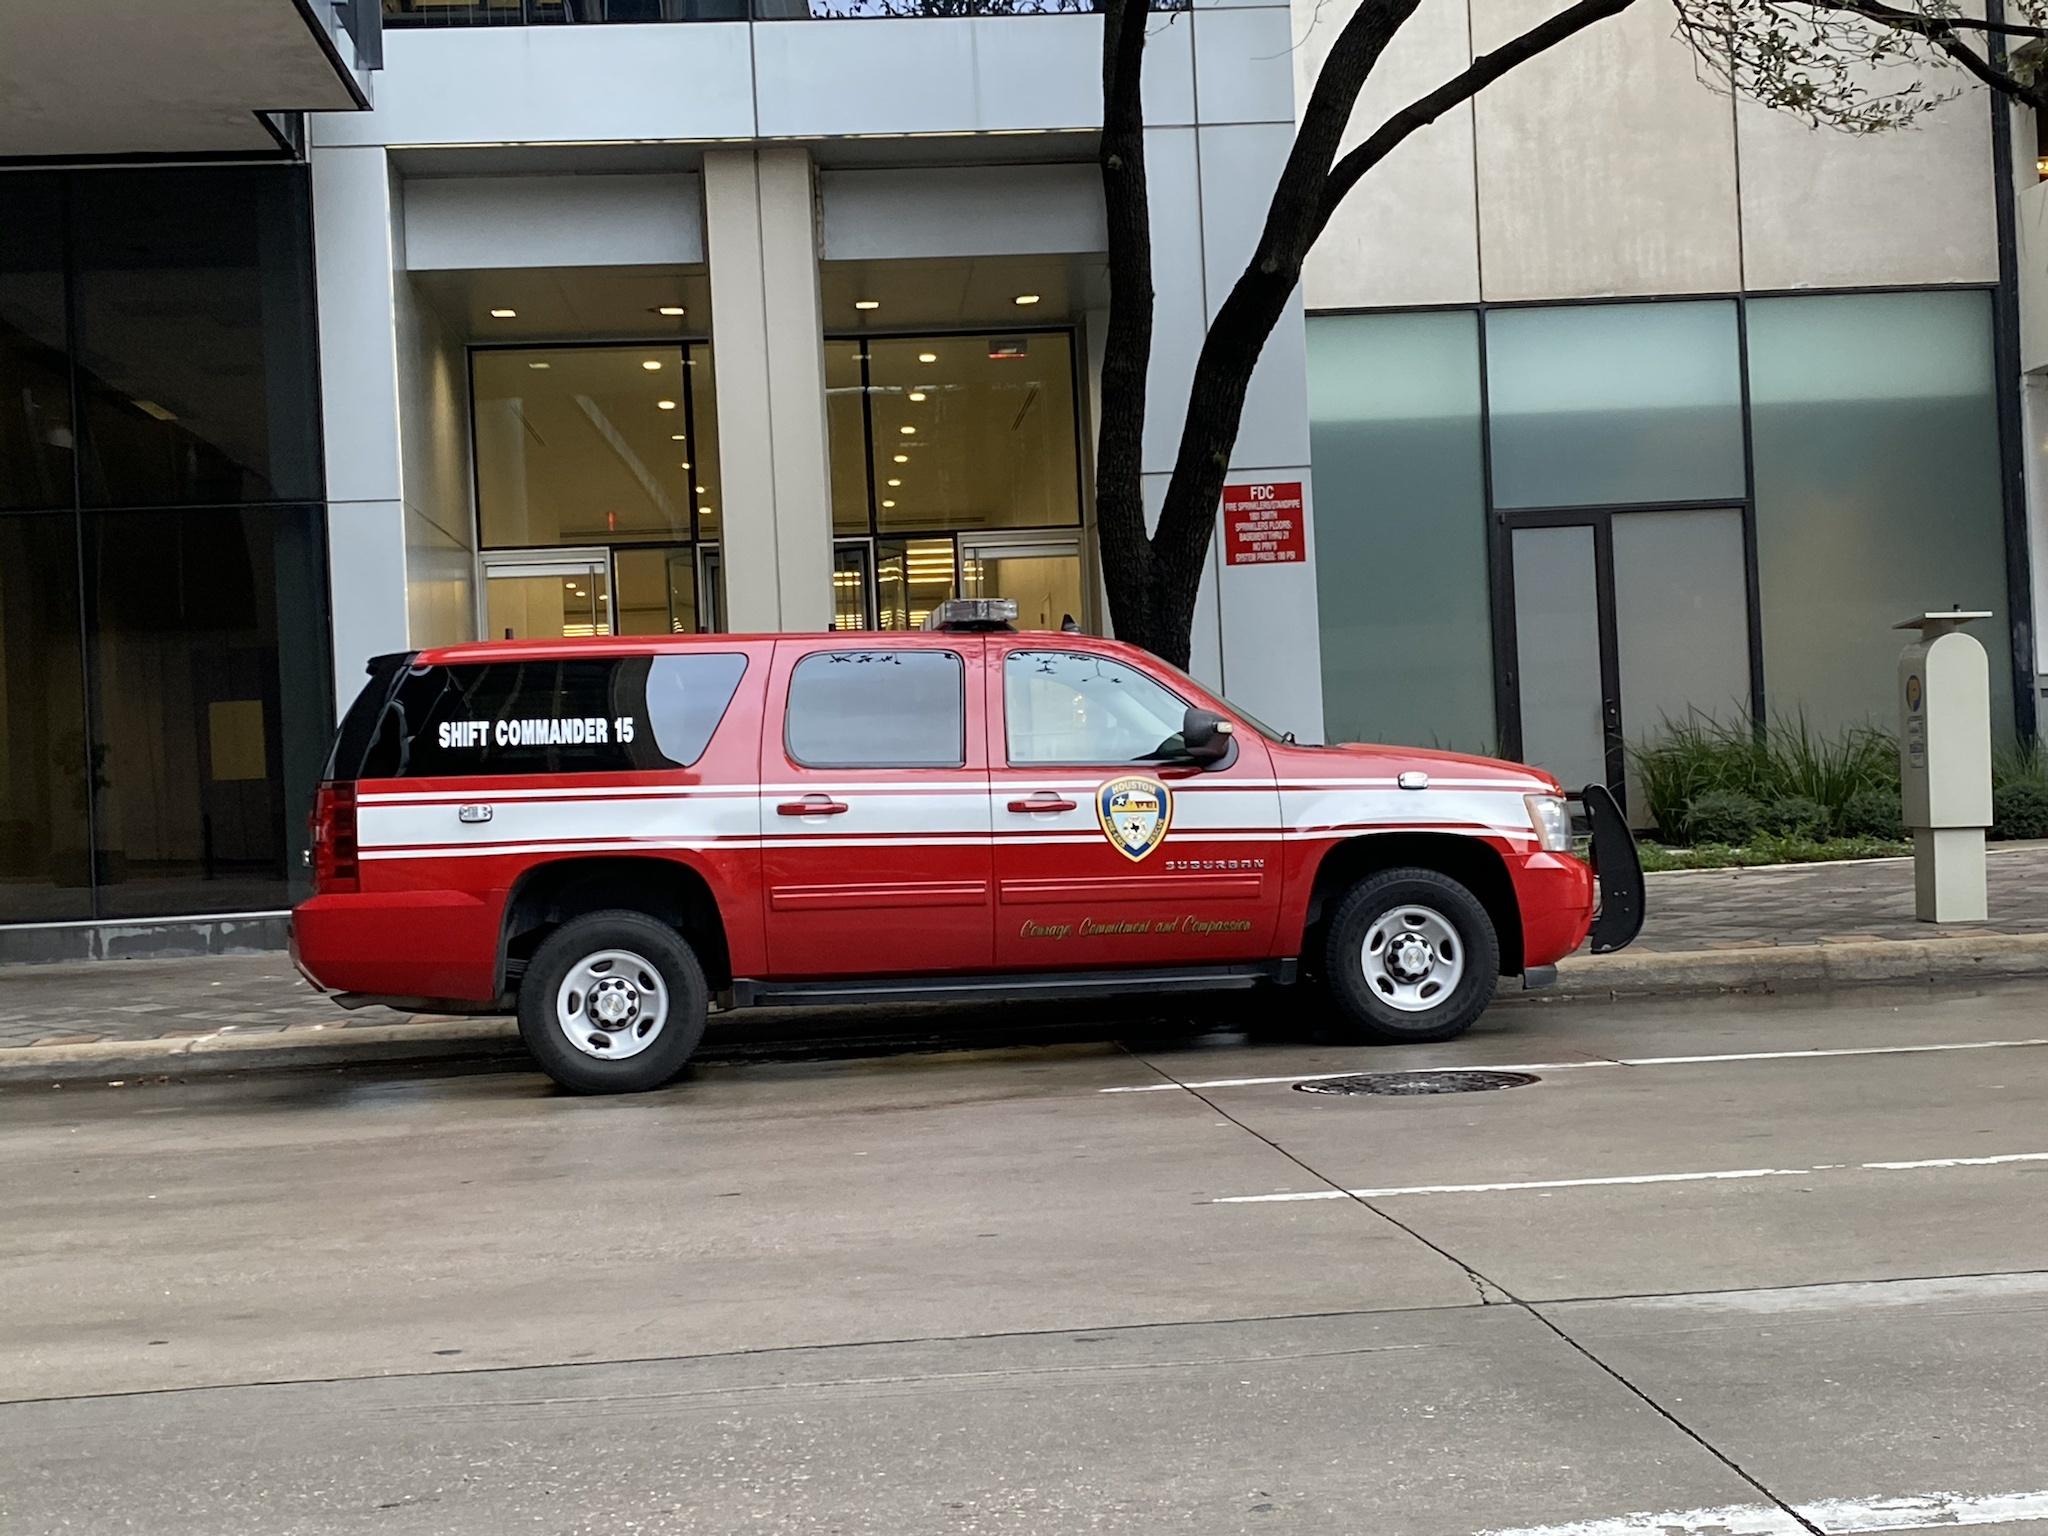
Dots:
pixel 1135 814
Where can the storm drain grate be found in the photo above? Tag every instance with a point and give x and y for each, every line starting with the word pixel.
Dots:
pixel 1406 1084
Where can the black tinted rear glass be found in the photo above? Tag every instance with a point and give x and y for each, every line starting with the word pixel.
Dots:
pixel 597 714
pixel 877 709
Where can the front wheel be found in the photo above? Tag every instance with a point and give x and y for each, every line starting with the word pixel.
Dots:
pixel 1411 957
pixel 613 1002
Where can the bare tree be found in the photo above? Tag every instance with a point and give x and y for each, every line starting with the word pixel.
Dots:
pixel 1860 66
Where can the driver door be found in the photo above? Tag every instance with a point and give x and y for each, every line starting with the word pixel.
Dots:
pixel 1107 854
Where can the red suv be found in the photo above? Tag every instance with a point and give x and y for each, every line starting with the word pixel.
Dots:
pixel 607 834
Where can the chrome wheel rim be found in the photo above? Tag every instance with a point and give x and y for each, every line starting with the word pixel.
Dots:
pixel 1413 958
pixel 612 1004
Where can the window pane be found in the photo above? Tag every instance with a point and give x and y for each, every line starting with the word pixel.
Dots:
pixel 982 436
pixel 657 591
pixel 35 378
pixel 850 587
pixel 209 660
pixel 1557 633
pixel 547 604
pixel 1061 707
pixel 877 709
pixel 1604 404
pixel 1044 583
pixel 583 445
pixel 686 698
pixel 704 439
pixel 45 846
pixel 847 426
pixel 1400 513
pixel 1876 438
pixel 912 576
pixel 195 337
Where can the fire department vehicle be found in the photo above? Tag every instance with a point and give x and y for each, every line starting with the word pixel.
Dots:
pixel 606 835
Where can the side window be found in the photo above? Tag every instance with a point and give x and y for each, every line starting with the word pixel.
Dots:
pixel 595 714
pixel 1068 707
pixel 877 709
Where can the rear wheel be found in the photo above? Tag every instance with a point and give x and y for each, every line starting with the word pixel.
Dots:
pixel 613 1002
pixel 1411 957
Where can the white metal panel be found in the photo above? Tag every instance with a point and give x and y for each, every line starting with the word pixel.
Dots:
pixel 1244 65
pixel 999 210
pixel 468 222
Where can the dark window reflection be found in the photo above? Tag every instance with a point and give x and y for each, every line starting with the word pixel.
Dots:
pixel 35 387
pixel 209 700
pixel 195 336
pixel 45 769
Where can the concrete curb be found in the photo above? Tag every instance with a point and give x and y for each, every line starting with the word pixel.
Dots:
pixel 1651 974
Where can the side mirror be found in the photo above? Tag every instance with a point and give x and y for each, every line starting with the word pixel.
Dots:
pixel 1205 736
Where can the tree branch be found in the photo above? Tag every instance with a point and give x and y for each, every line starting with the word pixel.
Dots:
pixel 1484 70
pixel 1914 21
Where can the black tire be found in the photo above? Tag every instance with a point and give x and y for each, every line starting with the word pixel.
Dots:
pixel 1366 1009
pixel 680 1030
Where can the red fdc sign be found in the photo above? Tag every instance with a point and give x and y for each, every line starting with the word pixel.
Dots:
pixel 1262 524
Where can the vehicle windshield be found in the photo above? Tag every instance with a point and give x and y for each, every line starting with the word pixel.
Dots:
pixel 1242 713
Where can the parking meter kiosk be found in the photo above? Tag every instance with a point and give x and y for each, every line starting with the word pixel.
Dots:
pixel 1945 764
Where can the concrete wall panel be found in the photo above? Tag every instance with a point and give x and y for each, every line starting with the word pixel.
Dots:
pixel 1408 233
pixel 1605 166
pixel 1244 65
pixel 473 222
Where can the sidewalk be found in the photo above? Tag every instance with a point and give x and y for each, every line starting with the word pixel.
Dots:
pixel 1707 931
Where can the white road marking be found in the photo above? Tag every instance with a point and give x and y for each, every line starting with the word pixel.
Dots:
pixel 1620 1061
pixel 1707 1176
pixel 1838 1517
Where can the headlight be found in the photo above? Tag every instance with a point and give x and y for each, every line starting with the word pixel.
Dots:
pixel 1552 821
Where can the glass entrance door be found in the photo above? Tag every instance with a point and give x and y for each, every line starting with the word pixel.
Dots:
pixel 1043 576
pixel 1623 621
pixel 559 597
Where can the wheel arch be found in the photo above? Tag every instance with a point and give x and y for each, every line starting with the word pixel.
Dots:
pixel 667 889
pixel 1472 861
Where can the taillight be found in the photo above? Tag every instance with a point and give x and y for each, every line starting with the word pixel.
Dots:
pixel 334 839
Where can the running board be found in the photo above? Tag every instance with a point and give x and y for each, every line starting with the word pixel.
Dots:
pixel 995 989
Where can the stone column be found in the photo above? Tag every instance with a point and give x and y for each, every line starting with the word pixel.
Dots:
pixel 761 240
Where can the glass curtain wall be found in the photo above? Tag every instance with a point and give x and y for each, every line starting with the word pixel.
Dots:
pixel 164 694
pixel 955 470
pixel 597 488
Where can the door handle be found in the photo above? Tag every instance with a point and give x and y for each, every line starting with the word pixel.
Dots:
pixel 812 805
pixel 1044 800
pixel 470 815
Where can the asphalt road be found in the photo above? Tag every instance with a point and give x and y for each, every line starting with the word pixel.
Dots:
pixel 1756 1267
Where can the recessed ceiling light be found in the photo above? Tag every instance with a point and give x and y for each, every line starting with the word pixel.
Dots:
pixel 927 357
pixel 867 303
pixel 888 503
pixel 1027 298
pixel 895 482
pixel 504 314
pixel 666 405
pixel 907 430
pixel 700 490
pixel 673 311
pixel 540 365
pixel 652 365
pixel 901 458
pixel 675 437
pixel 918 396
pixel 686 463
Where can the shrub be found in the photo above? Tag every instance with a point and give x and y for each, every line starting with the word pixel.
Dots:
pixel 2019 809
pixel 1722 816
pixel 1795 816
pixel 1787 761
pixel 1871 813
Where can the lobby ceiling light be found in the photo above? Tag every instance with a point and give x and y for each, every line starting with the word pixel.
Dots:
pixel 700 490
pixel 918 397
pixel 893 483
pixel 673 311
pixel 504 314
pixel 676 437
pixel 540 365
pixel 1027 298
pixel 666 405
pixel 901 458
pixel 652 365
pixel 927 357
pixel 867 303
pixel 907 430
pixel 888 503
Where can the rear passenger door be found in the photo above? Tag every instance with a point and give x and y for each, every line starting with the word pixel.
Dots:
pixel 874 808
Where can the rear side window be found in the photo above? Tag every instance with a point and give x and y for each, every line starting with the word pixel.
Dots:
pixel 877 709
pixel 583 714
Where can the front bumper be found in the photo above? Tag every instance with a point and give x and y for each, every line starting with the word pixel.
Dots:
pixel 1617 869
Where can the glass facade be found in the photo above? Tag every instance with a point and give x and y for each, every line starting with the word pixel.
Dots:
pixel 164 678
pixel 1400 509
pixel 1560 517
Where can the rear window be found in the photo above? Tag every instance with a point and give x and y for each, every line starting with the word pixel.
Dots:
pixel 877 709
pixel 583 714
